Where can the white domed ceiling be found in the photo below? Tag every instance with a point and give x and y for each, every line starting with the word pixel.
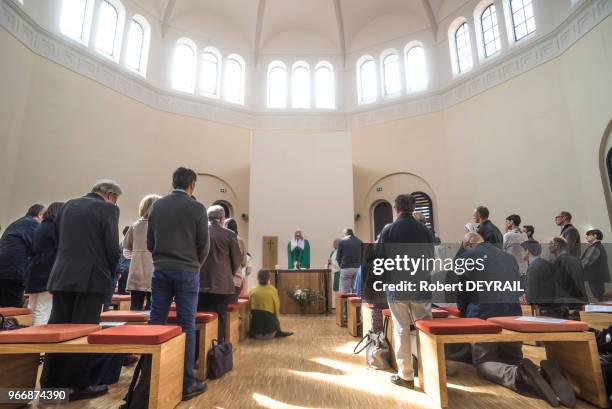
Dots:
pixel 300 26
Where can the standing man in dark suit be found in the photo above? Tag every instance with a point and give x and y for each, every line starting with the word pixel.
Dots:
pixel 349 260
pixel 487 230
pixel 217 274
pixel 569 277
pixel 595 264
pixel 569 233
pixel 541 282
pixel 87 255
pixel 406 236
pixel 177 237
pixel 15 251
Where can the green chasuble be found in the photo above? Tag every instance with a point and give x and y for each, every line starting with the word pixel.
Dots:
pixel 299 255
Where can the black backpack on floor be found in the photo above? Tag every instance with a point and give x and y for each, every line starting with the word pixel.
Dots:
pixel 137 396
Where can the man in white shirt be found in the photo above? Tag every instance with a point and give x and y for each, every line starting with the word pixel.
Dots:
pixel 513 239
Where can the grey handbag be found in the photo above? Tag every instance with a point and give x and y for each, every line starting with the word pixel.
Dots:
pixel 377 349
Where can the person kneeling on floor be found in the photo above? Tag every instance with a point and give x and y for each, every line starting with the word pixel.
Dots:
pixel 503 362
pixel 265 309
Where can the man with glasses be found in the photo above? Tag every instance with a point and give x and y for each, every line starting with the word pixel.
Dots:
pixel 569 233
pixel 87 255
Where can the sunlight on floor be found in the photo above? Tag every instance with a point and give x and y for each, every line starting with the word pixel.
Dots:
pixel 270 403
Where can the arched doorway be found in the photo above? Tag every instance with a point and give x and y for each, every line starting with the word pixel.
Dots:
pixel 226 206
pixel 382 214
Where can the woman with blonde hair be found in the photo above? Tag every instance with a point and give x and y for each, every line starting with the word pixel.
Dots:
pixel 141 265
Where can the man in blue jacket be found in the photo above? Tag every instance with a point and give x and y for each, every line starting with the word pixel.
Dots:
pixel 15 250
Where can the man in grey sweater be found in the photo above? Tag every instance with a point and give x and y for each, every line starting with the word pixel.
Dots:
pixel 177 236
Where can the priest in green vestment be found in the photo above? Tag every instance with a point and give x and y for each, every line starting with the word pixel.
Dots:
pixel 298 252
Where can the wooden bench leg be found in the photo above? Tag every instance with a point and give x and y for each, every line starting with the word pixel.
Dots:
pixel 206 335
pixel 124 305
pixel 366 319
pixel 432 368
pixel 245 318
pixel 579 361
pixel 338 310
pixel 232 328
pixel 18 371
pixel 167 374
pixel 353 319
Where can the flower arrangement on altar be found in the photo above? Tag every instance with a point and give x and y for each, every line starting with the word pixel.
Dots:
pixel 304 297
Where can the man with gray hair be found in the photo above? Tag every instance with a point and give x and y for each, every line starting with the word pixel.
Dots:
pixel 217 274
pixel 82 275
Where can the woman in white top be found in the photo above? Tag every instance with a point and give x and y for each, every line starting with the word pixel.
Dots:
pixel 141 265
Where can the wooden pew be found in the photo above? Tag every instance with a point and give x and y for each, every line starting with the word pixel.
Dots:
pixel 19 363
pixel 597 320
pixel 353 307
pixel 366 317
pixel 245 318
pixel 22 315
pixel 121 301
pixel 206 330
pixel 341 308
pixel 574 352
pixel 232 325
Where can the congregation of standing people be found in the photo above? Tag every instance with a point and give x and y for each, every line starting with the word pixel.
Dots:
pixel 69 260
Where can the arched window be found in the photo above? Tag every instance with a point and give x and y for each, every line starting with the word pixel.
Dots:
pixel 210 72
pixel 391 75
pixel 300 85
pixel 233 85
pixel 490 31
pixel 277 85
pixel 424 205
pixel 184 65
pixel 366 79
pixel 463 48
pixel 523 20
pixel 139 39
pixel 416 70
pixel 324 86
pixel 111 15
pixel 76 19
pixel 382 214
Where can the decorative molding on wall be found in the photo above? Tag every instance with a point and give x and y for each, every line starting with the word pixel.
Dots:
pixel 61 51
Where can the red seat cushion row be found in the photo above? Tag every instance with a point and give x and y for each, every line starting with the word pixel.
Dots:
pixel 50 333
pixel 439 313
pixel 14 311
pixel 386 312
pixel 539 324
pixel 202 317
pixel 135 334
pixel 354 300
pixel 124 316
pixel 447 326
pixel 347 295
pixel 233 307
pixel 452 311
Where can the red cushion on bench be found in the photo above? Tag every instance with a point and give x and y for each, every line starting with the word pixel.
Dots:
pixel 347 295
pixel 43 334
pixel 452 311
pixel 386 312
pixel 124 316
pixel 354 300
pixel 513 324
pixel 202 317
pixel 439 313
pixel 233 307
pixel 243 297
pixel 447 326
pixel 122 297
pixel 14 311
pixel 135 334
